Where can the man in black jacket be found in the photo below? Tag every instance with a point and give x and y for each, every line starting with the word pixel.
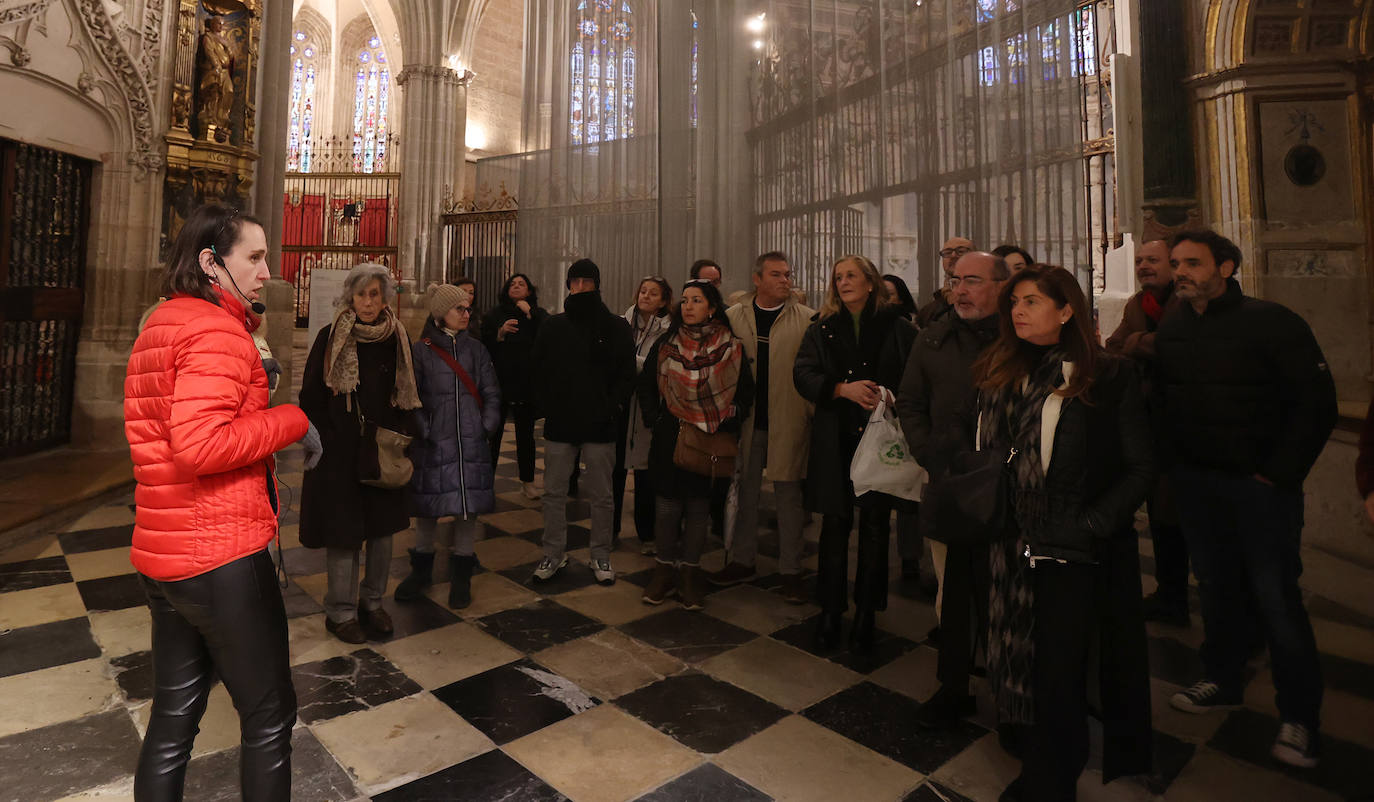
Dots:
pixel 584 372
pixel 1250 403
pixel 936 388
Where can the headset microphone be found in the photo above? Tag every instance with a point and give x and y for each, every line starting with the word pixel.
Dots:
pixel 258 307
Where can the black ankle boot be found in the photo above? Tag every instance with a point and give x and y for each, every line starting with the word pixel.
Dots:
pixel 828 631
pixel 460 580
pixel 421 576
pixel 861 634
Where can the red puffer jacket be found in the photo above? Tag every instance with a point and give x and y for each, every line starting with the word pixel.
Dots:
pixel 202 438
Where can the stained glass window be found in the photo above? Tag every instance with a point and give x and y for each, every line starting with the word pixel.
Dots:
pixel 1084 61
pixel 1016 58
pixel 987 66
pixel 372 91
pixel 1050 50
pixel 301 119
pixel 696 43
pixel 987 9
pixel 602 89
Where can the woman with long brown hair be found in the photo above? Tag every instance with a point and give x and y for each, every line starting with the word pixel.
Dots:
pixel 1067 573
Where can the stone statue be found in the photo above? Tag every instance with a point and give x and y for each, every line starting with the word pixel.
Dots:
pixel 216 80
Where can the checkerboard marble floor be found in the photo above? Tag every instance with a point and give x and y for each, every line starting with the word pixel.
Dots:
pixel 571 690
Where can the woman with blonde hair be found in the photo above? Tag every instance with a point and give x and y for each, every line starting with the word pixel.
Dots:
pixel 851 355
pixel 359 373
pixel 1066 574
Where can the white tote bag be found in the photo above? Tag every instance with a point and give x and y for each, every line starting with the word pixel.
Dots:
pixel 883 463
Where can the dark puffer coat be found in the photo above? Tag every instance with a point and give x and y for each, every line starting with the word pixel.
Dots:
pixel 513 355
pixel 669 479
pixel 1246 389
pixel 452 455
pixel 829 355
pixel 584 372
pixel 337 511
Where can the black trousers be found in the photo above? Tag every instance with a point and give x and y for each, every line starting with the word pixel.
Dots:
pixel 524 437
pixel 964 612
pixel 228 622
pixel 870 576
pixel 1065 613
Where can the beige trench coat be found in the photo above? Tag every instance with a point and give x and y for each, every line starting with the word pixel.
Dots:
pixel 789 415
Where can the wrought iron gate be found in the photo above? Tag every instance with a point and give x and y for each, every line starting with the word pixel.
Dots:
pixel 479 242
pixel 44 217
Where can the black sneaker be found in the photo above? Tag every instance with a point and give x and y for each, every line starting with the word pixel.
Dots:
pixel 1204 697
pixel 944 709
pixel 1297 745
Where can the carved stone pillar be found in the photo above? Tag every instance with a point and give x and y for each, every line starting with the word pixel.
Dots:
pixel 435 107
pixel 273 122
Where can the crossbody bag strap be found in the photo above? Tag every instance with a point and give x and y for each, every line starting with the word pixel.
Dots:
pixel 458 371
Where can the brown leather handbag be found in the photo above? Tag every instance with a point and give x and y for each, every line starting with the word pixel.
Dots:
pixel 709 455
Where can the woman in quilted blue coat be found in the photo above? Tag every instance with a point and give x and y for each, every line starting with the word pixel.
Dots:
pixel 452 456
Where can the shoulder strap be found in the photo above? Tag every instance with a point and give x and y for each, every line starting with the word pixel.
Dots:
pixel 458 371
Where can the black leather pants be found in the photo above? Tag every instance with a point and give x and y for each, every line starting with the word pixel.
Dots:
pixel 228 622
pixel 870 575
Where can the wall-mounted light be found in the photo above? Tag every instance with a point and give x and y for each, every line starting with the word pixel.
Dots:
pixel 756 24
pixel 455 63
pixel 758 44
pixel 475 137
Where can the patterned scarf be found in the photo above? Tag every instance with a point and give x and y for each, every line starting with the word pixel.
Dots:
pixel 698 368
pixel 341 358
pixel 1011 416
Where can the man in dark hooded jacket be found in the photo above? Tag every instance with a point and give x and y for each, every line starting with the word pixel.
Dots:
pixel 584 372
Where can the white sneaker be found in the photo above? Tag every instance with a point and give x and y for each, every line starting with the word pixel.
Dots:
pixel 547 568
pixel 601 569
pixel 529 491
pixel 1296 746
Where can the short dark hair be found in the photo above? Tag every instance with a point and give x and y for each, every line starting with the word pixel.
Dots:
pixel 695 272
pixel 713 297
pixel 461 280
pixel 665 290
pixel 1007 250
pixel 1223 249
pixel 904 302
pixel 214 226
pixel 771 256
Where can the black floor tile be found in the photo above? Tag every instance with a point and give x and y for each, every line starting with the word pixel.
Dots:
pixel 539 625
pixel 38 573
pixel 1173 661
pixel 886 646
pixel 358 681
pixel 489 777
pixel 579 537
pixel 302 561
pixel 110 537
pixel 514 700
pixel 63 759
pixel 413 617
pixel 706 783
pixel 1322 607
pixel 573 576
pixel 298 602
pixel 1344 768
pixel 112 592
pixel 701 712
pixel 1350 676
pixel 134 675
pixel 315 775
pixel 884 721
pixel 46 645
pixel 1170 756
pixel 931 791
pixel 688 636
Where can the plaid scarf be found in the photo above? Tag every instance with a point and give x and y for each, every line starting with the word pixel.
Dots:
pixel 698 368
pixel 1011 416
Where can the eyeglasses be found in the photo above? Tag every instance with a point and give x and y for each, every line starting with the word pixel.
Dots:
pixel 960 251
pixel 968 281
pixel 463 310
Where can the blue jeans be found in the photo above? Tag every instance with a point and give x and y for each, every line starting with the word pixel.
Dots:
pixel 1243 537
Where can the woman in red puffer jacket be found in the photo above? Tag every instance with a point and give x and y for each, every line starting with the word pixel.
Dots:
pixel 202 439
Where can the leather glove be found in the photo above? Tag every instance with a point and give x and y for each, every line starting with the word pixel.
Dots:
pixel 314 447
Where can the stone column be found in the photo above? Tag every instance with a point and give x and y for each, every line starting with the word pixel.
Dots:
pixel 434 108
pixel 273 111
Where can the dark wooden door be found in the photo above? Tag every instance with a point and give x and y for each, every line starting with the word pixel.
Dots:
pixel 44 221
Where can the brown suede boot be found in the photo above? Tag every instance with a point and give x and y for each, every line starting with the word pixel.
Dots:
pixel 660 584
pixel 689 589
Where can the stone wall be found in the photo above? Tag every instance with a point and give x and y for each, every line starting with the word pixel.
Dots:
pixel 497 59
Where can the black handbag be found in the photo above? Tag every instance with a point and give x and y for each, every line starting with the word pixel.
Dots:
pixel 971 503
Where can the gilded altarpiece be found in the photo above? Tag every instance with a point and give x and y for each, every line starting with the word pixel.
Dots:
pixel 211 142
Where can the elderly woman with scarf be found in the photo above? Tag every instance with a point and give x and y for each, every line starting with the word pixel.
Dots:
pixel 855 351
pixel 359 369
pixel 694 375
pixel 1066 578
